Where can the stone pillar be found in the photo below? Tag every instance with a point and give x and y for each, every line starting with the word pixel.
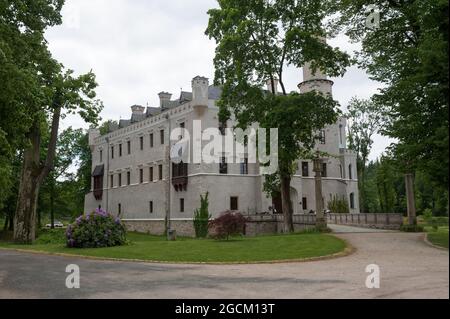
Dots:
pixel 410 201
pixel 320 219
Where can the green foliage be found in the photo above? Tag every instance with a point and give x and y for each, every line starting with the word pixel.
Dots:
pixel 95 230
pixel 412 228
pixel 408 53
pixel 201 217
pixel 364 120
pixel 339 205
pixel 255 41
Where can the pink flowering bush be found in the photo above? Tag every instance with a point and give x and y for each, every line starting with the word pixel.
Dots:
pixel 95 230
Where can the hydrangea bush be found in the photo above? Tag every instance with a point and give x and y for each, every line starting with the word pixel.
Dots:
pixel 95 230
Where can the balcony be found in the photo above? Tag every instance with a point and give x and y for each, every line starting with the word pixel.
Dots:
pixel 180 176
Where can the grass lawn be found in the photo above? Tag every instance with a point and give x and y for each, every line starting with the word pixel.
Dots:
pixel 246 249
pixel 439 238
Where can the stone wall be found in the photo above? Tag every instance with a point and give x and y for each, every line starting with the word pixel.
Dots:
pixel 256 225
pixel 273 224
pixel 183 228
pixel 382 221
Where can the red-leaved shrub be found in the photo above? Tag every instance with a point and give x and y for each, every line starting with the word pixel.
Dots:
pixel 228 224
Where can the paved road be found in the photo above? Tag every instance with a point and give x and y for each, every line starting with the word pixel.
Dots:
pixel 409 269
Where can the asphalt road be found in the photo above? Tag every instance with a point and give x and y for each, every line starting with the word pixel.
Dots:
pixel 409 269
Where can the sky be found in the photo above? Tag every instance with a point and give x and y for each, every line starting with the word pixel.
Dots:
pixel 138 48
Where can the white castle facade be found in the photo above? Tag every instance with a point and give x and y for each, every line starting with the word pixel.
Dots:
pixel 133 177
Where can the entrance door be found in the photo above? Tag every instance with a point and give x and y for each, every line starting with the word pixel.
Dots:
pixel 277 204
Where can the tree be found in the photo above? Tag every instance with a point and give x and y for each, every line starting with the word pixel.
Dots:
pixel 37 89
pixel 67 151
pixel 364 120
pixel 408 53
pixel 65 93
pixel 23 54
pixel 256 40
pixel 201 217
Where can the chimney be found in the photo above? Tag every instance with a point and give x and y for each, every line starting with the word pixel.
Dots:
pixel 200 88
pixel 275 84
pixel 164 99
pixel 137 109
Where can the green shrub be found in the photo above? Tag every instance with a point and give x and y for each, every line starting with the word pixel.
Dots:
pixel 412 228
pixel 339 205
pixel 95 230
pixel 201 218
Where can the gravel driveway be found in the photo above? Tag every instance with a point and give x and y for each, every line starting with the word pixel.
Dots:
pixel 409 269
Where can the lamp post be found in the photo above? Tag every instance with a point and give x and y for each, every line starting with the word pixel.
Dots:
pixel 320 219
pixel 107 170
pixel 170 234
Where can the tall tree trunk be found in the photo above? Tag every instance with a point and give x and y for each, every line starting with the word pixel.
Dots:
pixel 410 199
pixel 25 217
pixel 32 176
pixel 288 224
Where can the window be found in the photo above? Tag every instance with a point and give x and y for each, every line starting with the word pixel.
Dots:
pixel 234 203
pixel 120 179
pixel 150 207
pixel 119 209
pixel 322 137
pixel 324 170
pixel 223 166
pixel 128 178
pixel 120 150
pixel 340 134
pixel 160 172
pixel 151 140
pixel 340 171
pixel 151 175
pixel 141 175
pixel 304 203
pixel 350 173
pixel 112 152
pixel 305 169
pixel 129 147
pixel 161 136
pixel 352 200
pixel 244 167
pixel 101 156
pixel 182 126
pixel 181 205
pixel 141 142
pixel 112 181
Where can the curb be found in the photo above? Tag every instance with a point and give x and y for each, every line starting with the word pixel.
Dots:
pixel 429 243
pixel 349 249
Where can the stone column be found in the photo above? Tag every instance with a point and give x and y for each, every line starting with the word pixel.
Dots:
pixel 320 219
pixel 410 201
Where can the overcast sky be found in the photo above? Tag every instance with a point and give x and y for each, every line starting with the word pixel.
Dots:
pixel 138 48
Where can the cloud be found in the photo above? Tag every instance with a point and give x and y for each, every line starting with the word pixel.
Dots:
pixel 138 48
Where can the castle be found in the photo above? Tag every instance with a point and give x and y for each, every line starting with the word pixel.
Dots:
pixel 133 177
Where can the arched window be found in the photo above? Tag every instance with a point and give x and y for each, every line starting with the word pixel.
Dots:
pixel 350 173
pixel 352 200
